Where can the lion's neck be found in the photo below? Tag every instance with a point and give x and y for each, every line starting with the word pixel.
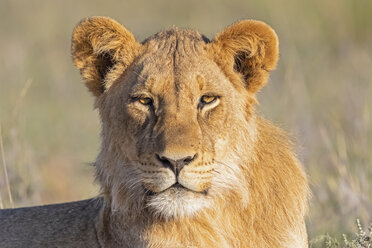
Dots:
pixel 208 229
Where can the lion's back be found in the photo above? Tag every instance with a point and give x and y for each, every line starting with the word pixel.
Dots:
pixel 60 225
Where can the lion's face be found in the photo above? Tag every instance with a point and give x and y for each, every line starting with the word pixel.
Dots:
pixel 174 119
pixel 178 124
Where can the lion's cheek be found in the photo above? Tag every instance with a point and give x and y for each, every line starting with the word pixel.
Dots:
pixel 221 147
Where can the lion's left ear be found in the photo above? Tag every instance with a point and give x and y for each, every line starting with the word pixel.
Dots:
pixel 250 48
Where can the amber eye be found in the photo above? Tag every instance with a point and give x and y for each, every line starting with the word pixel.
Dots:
pixel 145 100
pixel 208 99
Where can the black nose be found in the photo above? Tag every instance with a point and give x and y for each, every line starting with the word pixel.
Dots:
pixel 175 165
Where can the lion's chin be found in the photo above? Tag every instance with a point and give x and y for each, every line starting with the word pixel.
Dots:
pixel 177 202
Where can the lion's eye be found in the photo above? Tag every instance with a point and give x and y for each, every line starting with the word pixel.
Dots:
pixel 208 99
pixel 145 100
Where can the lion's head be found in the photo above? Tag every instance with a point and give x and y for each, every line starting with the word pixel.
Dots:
pixel 177 112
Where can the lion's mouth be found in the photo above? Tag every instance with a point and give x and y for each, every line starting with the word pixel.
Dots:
pixel 176 187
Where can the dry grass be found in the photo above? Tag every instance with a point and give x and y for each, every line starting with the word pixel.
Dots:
pixel 6 177
pixel 321 92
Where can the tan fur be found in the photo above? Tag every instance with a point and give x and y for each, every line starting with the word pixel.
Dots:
pixel 244 186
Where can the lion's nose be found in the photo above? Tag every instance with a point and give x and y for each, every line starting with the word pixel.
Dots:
pixel 175 165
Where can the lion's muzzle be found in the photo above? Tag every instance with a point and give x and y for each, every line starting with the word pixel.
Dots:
pixel 176 165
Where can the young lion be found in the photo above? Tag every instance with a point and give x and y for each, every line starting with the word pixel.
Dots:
pixel 185 161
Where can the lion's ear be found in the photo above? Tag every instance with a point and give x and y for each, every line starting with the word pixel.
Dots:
pixel 99 47
pixel 250 48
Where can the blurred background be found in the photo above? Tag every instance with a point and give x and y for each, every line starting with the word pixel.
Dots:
pixel 321 93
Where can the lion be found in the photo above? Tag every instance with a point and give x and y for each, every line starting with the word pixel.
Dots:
pixel 185 160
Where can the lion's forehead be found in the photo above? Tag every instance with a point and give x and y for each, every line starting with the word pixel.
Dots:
pixel 178 63
pixel 175 65
pixel 175 51
pixel 176 40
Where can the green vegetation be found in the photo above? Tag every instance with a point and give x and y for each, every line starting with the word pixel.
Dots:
pixel 361 240
pixel 321 92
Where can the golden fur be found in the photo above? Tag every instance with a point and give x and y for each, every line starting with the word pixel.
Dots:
pixel 239 183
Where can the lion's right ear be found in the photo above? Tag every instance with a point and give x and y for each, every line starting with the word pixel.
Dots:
pixel 100 47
